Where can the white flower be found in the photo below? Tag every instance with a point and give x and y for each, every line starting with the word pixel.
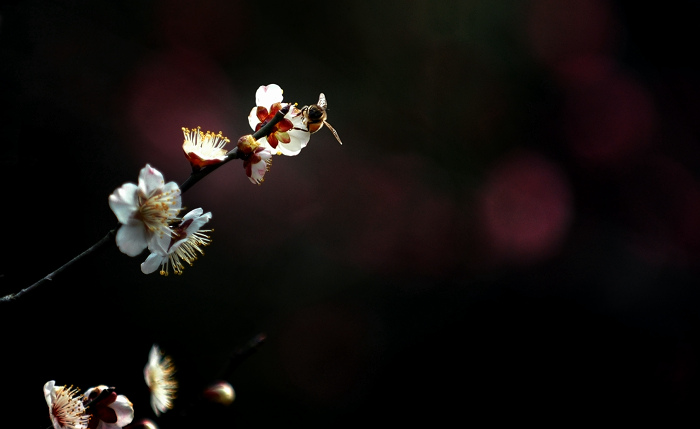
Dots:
pixel 65 409
pixel 159 374
pixel 144 210
pixel 111 411
pixel 183 243
pixel 290 135
pixel 204 149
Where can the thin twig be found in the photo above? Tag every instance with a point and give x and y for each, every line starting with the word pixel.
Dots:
pixel 50 277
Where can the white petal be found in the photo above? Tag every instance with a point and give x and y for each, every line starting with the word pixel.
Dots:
pixel 153 359
pixel 150 180
pixel 124 410
pixel 197 223
pixel 131 239
pixel 298 141
pixel 160 244
pixel 124 202
pixel 49 392
pixel 258 170
pixel 152 263
pixel 192 214
pixel 268 95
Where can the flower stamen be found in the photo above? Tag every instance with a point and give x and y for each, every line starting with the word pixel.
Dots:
pixel 67 409
pixel 187 251
pixel 158 211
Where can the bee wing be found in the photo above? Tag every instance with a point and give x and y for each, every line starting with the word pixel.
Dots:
pixel 322 102
pixel 333 131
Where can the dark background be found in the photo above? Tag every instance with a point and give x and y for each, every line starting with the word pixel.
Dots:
pixel 510 231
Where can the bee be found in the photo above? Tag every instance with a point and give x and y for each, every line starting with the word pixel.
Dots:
pixel 315 117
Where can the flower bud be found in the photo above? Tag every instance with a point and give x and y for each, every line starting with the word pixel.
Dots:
pixel 247 144
pixel 220 392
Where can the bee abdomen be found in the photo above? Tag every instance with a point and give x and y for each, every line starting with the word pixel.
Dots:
pixel 314 126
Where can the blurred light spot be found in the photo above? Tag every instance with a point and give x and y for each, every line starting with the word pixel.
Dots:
pixel 525 208
pixel 609 119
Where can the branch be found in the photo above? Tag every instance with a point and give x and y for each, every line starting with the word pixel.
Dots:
pixel 234 153
pixel 50 277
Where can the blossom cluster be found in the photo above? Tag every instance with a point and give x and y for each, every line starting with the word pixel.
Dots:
pixel 100 407
pixel 149 214
pixel 149 210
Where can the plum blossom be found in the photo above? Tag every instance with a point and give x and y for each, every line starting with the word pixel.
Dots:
pixel 203 149
pixel 290 135
pixel 159 375
pixel 107 409
pixel 66 408
pixel 184 242
pixel 144 210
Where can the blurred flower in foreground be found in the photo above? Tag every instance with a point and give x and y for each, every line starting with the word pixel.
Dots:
pixel 143 424
pixel 290 135
pixel 204 149
pixel 66 407
pixel 220 392
pixel 183 243
pixel 144 210
pixel 258 161
pixel 107 409
pixel 159 375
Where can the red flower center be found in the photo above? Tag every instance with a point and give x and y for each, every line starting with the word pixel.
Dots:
pixel 279 134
